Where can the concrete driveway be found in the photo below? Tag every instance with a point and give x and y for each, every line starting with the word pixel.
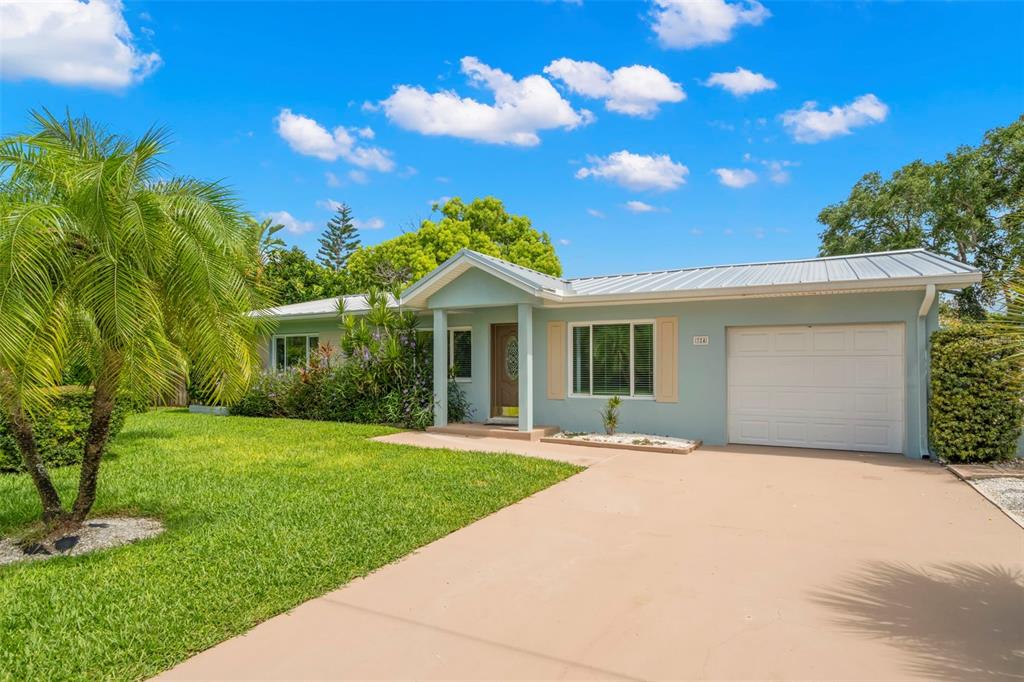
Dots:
pixel 729 563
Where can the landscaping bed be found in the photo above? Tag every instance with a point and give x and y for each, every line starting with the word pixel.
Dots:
pixel 626 441
pixel 1001 483
pixel 260 515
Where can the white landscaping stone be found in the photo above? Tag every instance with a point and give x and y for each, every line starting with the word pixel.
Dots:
pixel 95 534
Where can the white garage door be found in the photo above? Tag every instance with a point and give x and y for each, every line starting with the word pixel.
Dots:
pixel 822 386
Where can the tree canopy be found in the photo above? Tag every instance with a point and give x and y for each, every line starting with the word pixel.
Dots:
pixel 482 225
pixel 969 206
pixel 291 276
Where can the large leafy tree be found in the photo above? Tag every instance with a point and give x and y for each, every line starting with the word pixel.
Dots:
pixel 293 277
pixel 969 206
pixel 339 240
pixel 107 259
pixel 482 225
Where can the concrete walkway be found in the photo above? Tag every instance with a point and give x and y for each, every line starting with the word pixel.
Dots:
pixel 729 563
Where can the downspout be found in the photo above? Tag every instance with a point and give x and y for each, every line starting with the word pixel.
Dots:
pixel 922 359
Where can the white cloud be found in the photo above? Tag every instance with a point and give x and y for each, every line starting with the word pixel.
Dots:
pixel 290 222
pixel 564 242
pixel 809 124
pixel 684 24
pixel 443 179
pixel 371 224
pixel 633 90
pixel 332 179
pixel 728 232
pixel 328 204
pixel 439 202
pixel 521 108
pixel 635 206
pixel 741 82
pixel 595 213
pixel 737 178
pixel 636 171
pixel 308 137
pixel 696 231
pixel 359 177
pixel 71 43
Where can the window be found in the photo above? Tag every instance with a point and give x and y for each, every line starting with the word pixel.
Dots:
pixel 460 353
pixel 614 358
pixel 293 351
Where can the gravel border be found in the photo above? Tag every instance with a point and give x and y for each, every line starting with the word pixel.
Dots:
pixel 94 535
pixel 1006 493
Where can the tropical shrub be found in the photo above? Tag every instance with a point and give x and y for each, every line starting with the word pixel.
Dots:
pixel 381 374
pixel 60 429
pixel 977 395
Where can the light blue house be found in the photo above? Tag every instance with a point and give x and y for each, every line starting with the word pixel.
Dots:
pixel 822 353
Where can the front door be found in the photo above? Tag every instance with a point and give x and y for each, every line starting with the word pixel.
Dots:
pixel 504 370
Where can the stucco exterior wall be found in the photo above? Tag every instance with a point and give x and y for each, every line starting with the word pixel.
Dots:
pixel 701 410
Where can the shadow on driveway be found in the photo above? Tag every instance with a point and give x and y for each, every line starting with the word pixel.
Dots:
pixel 958 620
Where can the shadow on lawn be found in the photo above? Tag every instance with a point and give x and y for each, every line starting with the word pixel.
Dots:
pixel 958 620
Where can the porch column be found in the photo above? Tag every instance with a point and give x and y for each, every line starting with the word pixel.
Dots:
pixel 440 368
pixel 525 314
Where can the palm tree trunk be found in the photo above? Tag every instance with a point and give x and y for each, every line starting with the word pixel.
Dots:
pixel 98 434
pixel 26 439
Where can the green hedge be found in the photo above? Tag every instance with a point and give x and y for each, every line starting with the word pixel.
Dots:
pixel 976 409
pixel 60 431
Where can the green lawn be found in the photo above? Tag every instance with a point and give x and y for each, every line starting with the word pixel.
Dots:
pixel 261 515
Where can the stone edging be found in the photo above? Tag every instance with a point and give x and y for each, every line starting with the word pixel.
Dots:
pixel 624 446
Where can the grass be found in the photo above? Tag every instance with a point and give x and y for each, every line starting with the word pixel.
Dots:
pixel 261 515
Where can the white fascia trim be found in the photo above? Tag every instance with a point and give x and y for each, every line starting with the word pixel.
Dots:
pixel 811 289
pixel 459 264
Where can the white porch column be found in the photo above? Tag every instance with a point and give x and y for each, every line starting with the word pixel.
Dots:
pixel 440 368
pixel 525 315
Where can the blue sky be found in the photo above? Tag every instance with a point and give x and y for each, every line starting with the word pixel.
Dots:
pixel 255 94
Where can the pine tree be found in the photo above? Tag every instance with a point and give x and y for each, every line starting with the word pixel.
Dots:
pixel 339 240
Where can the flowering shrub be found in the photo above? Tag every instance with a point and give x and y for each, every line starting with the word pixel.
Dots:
pixel 381 374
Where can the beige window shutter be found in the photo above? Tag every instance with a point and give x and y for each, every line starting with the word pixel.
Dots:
pixel 666 383
pixel 556 361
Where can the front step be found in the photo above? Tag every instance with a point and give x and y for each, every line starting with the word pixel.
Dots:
pixel 495 431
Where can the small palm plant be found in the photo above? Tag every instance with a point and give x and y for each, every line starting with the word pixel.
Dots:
pixel 106 258
pixel 610 415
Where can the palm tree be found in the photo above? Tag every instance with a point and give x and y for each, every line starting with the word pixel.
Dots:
pixel 104 256
pixel 261 234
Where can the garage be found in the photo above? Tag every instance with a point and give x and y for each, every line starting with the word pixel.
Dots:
pixel 817 386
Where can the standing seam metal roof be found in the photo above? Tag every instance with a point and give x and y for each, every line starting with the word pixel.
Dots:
pixel 879 268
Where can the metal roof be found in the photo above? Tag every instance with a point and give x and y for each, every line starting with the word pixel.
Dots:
pixel 888 267
pixel 322 307
pixel 912 268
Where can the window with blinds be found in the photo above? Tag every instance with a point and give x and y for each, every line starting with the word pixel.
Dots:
pixel 460 353
pixel 613 359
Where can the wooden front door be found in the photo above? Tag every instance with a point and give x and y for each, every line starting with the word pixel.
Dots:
pixel 504 370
